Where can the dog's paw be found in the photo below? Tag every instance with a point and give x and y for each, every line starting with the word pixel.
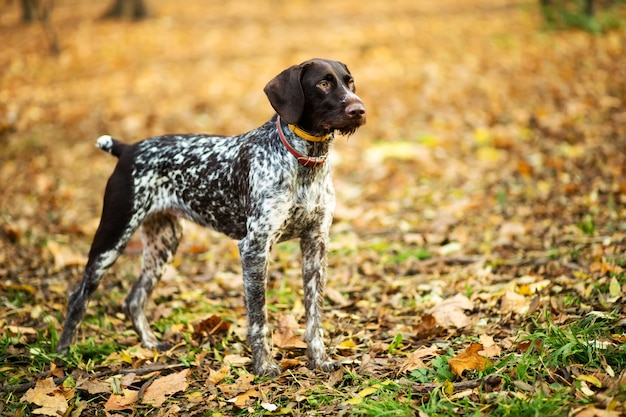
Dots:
pixel 325 365
pixel 158 345
pixel 163 346
pixel 267 368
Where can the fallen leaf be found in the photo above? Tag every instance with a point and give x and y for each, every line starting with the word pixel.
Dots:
pixel 64 256
pixel 336 297
pixel 242 384
pixel 161 388
pixel 414 361
pixel 290 363
pixel 21 330
pixel 241 400
pixel 286 335
pixel 450 313
pixel 95 387
pixel 427 327
pixel 215 377
pixel 584 388
pixel 236 360
pixel 346 346
pixel 210 326
pixel 513 302
pixel 591 379
pixel 358 398
pixel 46 394
pixel 468 360
pixel 597 412
pixel 490 348
pixel 124 401
pixel 269 407
pixel 615 290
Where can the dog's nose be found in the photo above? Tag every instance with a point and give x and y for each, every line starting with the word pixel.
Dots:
pixel 355 110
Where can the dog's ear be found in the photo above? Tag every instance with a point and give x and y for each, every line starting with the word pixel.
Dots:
pixel 286 95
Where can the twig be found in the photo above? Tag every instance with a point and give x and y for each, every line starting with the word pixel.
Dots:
pixel 59 380
pixel 491 382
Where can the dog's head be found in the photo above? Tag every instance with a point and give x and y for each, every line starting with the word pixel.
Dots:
pixel 318 96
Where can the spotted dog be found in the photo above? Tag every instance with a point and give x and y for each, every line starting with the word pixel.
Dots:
pixel 262 187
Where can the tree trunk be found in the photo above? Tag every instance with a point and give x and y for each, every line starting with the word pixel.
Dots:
pixel 127 9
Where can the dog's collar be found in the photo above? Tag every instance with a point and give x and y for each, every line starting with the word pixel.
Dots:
pixel 307 161
pixel 307 136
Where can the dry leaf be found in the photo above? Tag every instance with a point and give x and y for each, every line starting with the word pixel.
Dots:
pixel 21 330
pixel 450 313
pixel 513 302
pixel 286 335
pixel 161 388
pixel 95 387
pixel 468 360
pixel 414 361
pixel 336 297
pixel 242 384
pixel 242 400
pixel 427 327
pixel 215 377
pixel 64 256
pixel 236 360
pixel 210 326
pixel 46 394
pixel 290 363
pixel 124 401
pixel 490 348
pixel 597 412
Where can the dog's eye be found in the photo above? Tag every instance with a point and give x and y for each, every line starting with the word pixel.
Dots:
pixel 351 85
pixel 324 85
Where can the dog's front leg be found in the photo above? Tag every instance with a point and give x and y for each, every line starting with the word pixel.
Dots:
pixel 314 261
pixel 254 252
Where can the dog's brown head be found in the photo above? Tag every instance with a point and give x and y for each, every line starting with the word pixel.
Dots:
pixel 318 96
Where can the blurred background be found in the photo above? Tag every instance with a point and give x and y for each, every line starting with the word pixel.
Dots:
pixel 497 126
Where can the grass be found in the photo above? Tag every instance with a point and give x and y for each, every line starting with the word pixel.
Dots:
pixel 551 369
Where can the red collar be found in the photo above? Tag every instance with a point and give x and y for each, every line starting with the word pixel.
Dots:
pixel 307 161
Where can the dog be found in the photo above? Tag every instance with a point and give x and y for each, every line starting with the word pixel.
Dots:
pixel 262 187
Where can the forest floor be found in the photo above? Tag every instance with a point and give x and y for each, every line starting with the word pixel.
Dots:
pixel 479 244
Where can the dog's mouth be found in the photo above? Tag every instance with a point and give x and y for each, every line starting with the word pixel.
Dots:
pixel 345 127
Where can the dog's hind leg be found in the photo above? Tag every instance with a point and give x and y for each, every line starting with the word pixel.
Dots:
pixel 160 234
pixel 116 227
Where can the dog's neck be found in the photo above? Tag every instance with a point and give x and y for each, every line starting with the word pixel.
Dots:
pixel 308 136
pixel 308 153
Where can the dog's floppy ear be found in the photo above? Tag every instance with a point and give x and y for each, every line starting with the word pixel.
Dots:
pixel 285 93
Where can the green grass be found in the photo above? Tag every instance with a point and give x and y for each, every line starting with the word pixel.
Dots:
pixel 570 14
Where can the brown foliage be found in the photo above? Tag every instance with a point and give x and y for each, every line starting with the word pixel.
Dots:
pixel 488 185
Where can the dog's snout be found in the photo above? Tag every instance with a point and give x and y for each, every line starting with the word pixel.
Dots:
pixel 355 110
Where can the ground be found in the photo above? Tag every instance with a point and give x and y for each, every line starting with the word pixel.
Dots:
pixel 479 240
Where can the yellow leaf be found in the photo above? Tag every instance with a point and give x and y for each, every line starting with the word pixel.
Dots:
pixel 368 391
pixel 488 154
pixel 482 136
pixel 347 344
pixel 448 387
pixel 353 401
pixel 615 290
pixel 126 357
pixel 591 379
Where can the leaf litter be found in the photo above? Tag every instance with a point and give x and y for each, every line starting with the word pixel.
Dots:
pixel 485 193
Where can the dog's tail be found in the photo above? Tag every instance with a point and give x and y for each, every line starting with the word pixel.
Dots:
pixel 110 145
